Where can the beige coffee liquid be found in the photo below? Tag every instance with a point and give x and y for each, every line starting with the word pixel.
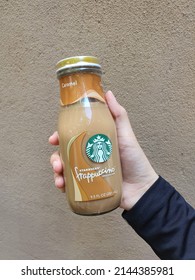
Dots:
pixel 88 146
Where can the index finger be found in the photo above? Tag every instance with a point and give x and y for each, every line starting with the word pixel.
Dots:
pixel 54 139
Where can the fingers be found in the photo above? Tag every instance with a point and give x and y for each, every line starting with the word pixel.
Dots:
pixel 54 139
pixel 58 171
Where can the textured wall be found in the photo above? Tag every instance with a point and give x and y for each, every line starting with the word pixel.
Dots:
pixel 147 50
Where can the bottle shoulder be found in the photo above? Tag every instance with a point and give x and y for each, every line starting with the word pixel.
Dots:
pixel 97 116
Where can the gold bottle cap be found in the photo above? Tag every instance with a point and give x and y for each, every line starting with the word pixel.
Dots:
pixel 77 63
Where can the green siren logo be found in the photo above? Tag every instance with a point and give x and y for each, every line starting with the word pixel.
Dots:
pixel 99 148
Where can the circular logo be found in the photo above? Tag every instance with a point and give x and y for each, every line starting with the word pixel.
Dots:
pixel 99 148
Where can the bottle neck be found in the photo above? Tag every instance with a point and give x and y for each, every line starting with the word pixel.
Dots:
pixel 77 86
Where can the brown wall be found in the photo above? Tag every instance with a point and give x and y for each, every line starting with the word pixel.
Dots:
pixel 147 50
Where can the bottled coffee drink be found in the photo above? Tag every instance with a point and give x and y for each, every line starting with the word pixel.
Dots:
pixel 88 140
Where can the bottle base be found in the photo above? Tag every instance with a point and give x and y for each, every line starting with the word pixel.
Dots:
pixel 95 214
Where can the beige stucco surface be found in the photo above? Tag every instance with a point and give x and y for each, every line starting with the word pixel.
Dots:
pixel 147 51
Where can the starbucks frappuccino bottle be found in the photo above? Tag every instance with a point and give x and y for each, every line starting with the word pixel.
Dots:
pixel 88 140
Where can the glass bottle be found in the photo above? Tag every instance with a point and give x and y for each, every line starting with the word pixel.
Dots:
pixel 88 140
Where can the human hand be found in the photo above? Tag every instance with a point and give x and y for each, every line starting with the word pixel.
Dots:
pixel 57 163
pixel 138 174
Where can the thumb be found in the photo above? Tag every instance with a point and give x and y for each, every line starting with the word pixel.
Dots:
pixel 119 114
pixel 114 106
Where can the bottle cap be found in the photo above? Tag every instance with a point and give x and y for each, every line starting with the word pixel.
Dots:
pixel 77 63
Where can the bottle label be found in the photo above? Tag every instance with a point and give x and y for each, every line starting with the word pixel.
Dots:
pixel 77 86
pixel 89 180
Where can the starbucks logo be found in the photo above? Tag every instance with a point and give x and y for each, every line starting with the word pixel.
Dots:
pixel 99 148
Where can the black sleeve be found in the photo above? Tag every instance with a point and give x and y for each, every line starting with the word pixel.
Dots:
pixel 165 221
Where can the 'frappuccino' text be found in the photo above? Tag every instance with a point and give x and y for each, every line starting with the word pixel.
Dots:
pixel 89 176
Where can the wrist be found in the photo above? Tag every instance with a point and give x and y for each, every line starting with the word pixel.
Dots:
pixel 132 192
